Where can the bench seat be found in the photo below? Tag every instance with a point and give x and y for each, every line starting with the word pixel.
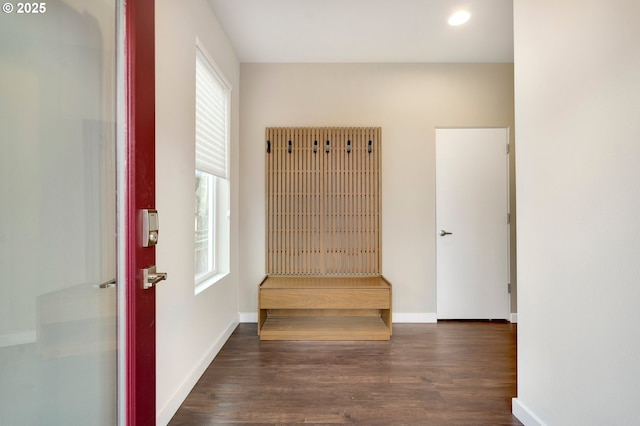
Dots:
pixel 324 308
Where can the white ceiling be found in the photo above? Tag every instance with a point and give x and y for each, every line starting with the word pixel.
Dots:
pixel 367 30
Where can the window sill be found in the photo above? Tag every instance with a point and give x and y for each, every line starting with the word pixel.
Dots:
pixel 209 281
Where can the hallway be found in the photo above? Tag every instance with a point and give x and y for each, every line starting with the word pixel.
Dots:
pixel 450 373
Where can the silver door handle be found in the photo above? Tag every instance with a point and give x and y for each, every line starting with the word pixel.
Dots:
pixel 150 277
pixel 443 233
pixel 108 284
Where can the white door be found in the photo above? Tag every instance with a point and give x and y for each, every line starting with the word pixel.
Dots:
pixel 472 223
pixel 58 340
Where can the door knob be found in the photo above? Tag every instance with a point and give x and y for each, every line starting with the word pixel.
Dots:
pixel 150 277
pixel 443 233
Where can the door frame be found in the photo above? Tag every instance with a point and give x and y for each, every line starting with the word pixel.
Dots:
pixel 136 191
pixel 508 205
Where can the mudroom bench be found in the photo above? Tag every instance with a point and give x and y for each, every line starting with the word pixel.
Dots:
pixel 324 308
pixel 323 236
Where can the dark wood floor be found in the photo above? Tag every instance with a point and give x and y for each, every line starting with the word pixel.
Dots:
pixel 450 373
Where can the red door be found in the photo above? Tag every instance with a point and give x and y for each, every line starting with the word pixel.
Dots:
pixel 140 170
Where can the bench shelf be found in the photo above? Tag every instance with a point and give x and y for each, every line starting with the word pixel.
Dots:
pixel 324 308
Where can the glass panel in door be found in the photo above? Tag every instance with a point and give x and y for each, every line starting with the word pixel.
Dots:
pixel 58 213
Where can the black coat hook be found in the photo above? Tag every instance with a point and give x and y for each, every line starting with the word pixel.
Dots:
pixel 315 146
pixel 349 147
pixel 370 148
pixel 290 148
pixel 327 147
pixel 268 147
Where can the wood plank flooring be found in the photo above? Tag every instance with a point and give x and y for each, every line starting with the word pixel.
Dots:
pixel 450 373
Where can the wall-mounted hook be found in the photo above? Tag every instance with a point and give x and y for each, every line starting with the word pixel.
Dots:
pixel 268 147
pixel 290 148
pixel 315 146
pixel 370 148
pixel 349 147
pixel 327 147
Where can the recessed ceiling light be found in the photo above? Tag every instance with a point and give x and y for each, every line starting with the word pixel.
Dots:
pixel 459 18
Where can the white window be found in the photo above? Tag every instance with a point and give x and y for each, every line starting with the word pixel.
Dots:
pixel 211 174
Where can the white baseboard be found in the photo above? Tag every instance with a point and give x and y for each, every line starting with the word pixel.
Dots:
pixel 419 317
pixel 21 338
pixel 169 410
pixel 525 415
pixel 513 318
pixel 397 317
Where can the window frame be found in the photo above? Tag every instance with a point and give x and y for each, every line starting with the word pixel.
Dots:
pixel 218 262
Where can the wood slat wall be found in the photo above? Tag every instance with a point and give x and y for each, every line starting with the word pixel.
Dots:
pixel 323 208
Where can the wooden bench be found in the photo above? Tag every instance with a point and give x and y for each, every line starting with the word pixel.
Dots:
pixel 323 236
pixel 324 308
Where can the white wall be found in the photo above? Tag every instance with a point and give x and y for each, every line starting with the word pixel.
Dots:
pixel 190 328
pixel 408 101
pixel 577 74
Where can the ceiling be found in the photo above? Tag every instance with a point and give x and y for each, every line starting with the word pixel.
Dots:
pixel 367 30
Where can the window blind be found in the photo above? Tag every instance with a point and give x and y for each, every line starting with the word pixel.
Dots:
pixel 211 118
